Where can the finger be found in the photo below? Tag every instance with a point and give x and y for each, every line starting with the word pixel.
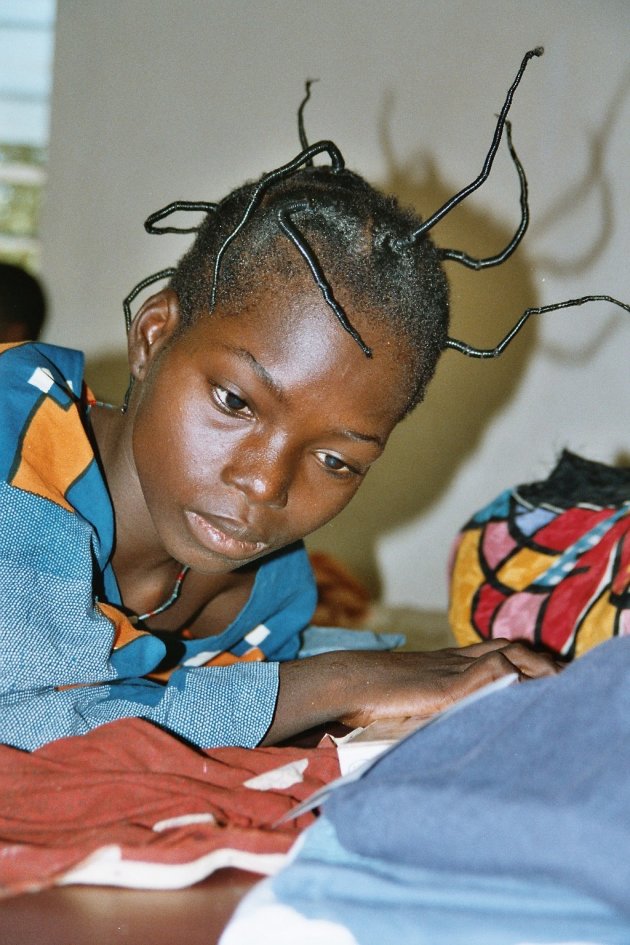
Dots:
pixel 530 662
pixel 474 650
pixel 481 672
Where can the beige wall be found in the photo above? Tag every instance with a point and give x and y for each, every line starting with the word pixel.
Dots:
pixel 156 100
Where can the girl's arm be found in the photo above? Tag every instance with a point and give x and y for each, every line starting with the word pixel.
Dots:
pixel 358 687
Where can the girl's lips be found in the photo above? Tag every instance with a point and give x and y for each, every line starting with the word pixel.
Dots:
pixel 215 535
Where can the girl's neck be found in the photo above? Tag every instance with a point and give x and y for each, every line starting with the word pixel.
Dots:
pixel 138 548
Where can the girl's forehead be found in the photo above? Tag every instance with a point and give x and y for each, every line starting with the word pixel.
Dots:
pixel 289 335
pixel 283 314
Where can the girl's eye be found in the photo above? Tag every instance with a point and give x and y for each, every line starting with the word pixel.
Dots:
pixel 336 465
pixel 229 401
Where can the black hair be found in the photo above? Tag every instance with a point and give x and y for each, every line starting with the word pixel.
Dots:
pixel 22 300
pixel 349 228
pixel 342 228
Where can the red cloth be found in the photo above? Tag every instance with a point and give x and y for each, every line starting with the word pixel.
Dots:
pixel 111 786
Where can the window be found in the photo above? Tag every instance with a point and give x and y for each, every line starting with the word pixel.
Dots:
pixel 26 56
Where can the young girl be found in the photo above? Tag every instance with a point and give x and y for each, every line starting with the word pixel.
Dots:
pixel 152 562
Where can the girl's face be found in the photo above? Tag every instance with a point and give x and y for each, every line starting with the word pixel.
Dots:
pixel 255 427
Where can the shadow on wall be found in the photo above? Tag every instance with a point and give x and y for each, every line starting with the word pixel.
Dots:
pixel 425 453
pixel 593 183
pixel 426 450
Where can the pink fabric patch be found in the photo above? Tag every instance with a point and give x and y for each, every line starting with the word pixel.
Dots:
pixel 497 543
pixel 624 623
pixel 516 618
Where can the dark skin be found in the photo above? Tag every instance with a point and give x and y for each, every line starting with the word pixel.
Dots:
pixel 244 433
pixel 13 332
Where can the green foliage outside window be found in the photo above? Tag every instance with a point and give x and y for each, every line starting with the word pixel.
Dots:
pixel 22 174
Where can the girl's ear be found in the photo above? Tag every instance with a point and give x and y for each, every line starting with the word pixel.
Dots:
pixel 153 327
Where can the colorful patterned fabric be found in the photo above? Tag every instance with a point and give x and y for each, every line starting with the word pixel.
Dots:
pixel 70 660
pixel 548 562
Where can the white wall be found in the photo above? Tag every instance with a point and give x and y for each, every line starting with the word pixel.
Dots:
pixel 156 100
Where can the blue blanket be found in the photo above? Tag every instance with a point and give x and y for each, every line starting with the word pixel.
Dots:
pixel 504 823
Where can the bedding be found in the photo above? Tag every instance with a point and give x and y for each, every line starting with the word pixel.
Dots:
pixel 505 822
pixel 130 805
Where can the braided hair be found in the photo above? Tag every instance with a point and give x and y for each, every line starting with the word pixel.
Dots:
pixel 349 227
pixel 352 238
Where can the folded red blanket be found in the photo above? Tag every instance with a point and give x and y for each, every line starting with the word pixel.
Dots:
pixel 128 804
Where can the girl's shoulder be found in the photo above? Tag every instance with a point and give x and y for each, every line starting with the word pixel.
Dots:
pixel 45 448
pixel 44 367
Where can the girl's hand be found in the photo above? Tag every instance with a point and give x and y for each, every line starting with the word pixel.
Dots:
pixel 358 687
pixel 421 684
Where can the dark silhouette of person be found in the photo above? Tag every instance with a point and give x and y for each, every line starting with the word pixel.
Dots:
pixel 22 304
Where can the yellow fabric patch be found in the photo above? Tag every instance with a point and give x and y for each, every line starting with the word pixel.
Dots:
pixel 524 567
pixel 254 655
pixel 124 630
pixel 224 658
pixel 469 578
pixel 52 455
pixel 597 625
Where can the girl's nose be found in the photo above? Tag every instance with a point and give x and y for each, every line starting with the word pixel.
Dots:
pixel 263 475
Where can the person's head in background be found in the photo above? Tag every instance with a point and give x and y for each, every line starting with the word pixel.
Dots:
pixel 22 305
